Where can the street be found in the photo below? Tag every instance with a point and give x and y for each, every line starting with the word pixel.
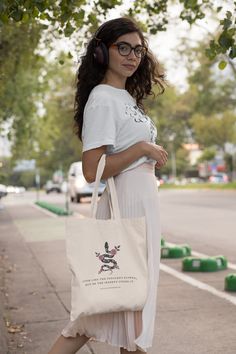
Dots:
pixel 194 313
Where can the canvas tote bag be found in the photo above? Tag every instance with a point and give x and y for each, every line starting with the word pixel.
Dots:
pixel 107 258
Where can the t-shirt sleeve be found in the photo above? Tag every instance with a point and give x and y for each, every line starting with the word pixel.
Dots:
pixel 99 127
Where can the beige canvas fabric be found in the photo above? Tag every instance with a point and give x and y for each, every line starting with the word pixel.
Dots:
pixel 107 259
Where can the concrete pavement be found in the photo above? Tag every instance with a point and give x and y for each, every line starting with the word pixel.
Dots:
pixel 37 285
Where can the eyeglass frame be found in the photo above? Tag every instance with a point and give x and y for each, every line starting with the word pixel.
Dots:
pixel 131 48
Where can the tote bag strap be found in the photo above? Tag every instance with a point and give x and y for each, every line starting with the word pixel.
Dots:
pixel 113 200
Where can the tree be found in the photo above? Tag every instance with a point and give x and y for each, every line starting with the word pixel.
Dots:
pixel 213 117
pixel 207 155
pixel 20 88
pixel 215 129
pixel 170 112
pixel 66 16
pixel 212 100
pixel 57 145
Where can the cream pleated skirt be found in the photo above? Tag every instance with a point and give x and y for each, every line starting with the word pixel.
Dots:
pixel 138 196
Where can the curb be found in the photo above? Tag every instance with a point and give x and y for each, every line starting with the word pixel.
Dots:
pixel 3 330
pixel 175 251
pixel 53 208
pixel 209 264
pixel 230 282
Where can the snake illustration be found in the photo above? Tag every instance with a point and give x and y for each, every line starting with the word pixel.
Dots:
pixel 107 258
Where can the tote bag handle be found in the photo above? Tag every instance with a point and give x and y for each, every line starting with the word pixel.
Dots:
pixel 113 201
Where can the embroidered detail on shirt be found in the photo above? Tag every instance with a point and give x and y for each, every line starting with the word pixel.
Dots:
pixel 136 113
pixel 133 111
pixel 153 131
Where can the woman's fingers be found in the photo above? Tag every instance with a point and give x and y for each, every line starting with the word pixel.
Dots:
pixel 163 159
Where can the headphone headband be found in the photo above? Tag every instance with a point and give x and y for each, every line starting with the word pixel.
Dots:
pixel 100 28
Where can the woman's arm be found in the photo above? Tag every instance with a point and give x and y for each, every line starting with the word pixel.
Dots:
pixel 117 162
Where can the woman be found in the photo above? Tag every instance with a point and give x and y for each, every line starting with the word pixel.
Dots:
pixel 115 74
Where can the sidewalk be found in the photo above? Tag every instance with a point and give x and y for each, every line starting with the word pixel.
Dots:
pixel 35 309
pixel 37 282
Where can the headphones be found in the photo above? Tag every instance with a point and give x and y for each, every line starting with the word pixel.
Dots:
pixel 101 54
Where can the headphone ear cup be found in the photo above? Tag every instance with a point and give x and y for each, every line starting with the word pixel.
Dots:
pixel 101 54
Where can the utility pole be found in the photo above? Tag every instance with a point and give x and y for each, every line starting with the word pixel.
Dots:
pixel 37 182
pixel 173 159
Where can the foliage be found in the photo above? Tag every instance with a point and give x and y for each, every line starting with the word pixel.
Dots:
pixel 215 129
pixel 212 99
pixel 226 41
pixel 207 155
pixel 229 161
pixel 67 16
pixel 57 145
pixel 170 114
pixel 19 88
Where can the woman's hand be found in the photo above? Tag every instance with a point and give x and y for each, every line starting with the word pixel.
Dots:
pixel 156 152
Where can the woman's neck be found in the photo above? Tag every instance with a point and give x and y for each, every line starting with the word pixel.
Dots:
pixel 114 81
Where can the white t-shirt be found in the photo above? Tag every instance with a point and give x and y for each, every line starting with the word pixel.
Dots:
pixel 112 118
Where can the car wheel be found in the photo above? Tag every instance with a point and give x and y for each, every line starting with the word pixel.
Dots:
pixel 78 198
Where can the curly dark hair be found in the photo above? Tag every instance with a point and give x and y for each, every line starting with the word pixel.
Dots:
pixel 90 73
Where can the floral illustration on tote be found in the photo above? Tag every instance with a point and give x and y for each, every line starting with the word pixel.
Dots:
pixel 107 257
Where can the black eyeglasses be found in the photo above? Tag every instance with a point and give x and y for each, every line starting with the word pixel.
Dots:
pixel 125 49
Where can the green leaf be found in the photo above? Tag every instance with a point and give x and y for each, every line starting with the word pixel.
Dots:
pixel 232 53
pixel 41 6
pixel 65 17
pixel 225 40
pixel 92 18
pixel 226 23
pixel 222 65
pixel 35 12
pixel 61 62
pixel 210 53
pixel 78 16
pixel 25 18
pixel 190 4
pixel 4 18
pixel 17 15
pixel 68 30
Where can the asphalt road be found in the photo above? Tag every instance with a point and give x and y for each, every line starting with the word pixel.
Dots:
pixel 206 219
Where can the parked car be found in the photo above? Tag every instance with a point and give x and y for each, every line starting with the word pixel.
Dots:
pixel 77 184
pixel 11 189
pixel 50 186
pixel 3 190
pixel 20 190
pixel 219 178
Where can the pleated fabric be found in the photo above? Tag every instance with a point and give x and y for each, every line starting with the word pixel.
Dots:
pixel 137 196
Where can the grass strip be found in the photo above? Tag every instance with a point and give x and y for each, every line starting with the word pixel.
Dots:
pixel 223 186
pixel 53 208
